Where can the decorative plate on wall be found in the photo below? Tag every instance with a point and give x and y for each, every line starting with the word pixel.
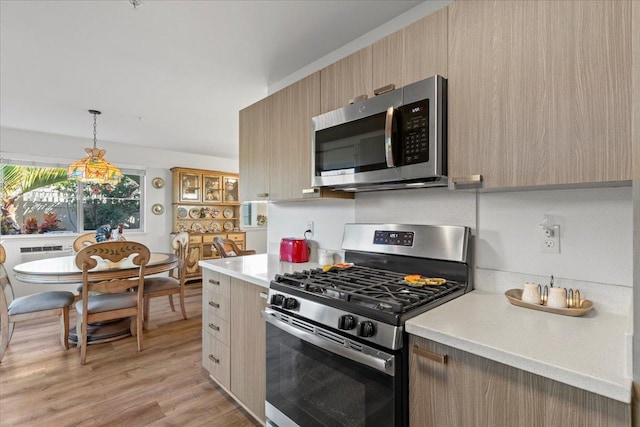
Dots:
pixel 157 182
pixel 157 209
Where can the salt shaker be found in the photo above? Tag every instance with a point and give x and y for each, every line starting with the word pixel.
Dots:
pixel 531 293
pixel 557 298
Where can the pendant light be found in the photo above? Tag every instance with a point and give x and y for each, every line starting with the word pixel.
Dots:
pixel 94 168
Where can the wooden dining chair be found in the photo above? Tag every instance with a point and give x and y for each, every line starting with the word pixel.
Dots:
pixel 34 306
pixel 110 299
pixel 174 283
pixel 83 241
pixel 227 248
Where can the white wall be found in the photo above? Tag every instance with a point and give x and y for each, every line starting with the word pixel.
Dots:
pixel 35 146
pixel 289 219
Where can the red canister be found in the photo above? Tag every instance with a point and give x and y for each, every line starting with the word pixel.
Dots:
pixel 294 250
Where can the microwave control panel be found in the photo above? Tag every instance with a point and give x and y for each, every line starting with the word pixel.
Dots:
pixel 415 132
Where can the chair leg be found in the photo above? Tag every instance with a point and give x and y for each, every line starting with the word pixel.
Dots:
pixel 139 330
pixel 173 308
pixel 78 330
pixel 83 347
pixel 147 304
pixel 4 331
pixel 184 312
pixel 64 327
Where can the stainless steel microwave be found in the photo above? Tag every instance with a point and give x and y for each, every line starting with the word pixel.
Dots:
pixel 397 139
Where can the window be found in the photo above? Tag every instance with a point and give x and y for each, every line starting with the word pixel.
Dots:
pixel 39 199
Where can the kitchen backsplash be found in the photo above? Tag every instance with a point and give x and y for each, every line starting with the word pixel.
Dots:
pixel 595 231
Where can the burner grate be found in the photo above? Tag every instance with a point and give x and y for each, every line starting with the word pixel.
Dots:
pixel 375 288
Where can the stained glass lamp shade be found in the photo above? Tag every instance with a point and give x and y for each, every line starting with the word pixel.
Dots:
pixel 94 168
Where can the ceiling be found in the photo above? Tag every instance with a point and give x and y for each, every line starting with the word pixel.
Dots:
pixel 169 74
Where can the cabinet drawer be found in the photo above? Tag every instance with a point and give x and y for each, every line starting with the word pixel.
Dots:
pixel 217 305
pixel 216 327
pixel 216 283
pixel 215 359
pixel 208 238
pixel 195 239
pixel 236 237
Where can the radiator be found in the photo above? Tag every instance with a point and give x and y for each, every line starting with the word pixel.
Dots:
pixel 34 253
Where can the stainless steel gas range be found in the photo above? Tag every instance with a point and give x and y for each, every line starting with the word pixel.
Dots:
pixel 336 347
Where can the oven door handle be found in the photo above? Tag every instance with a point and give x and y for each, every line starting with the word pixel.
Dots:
pixel 383 364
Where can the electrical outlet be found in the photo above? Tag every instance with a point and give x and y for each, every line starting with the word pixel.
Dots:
pixel 310 227
pixel 550 240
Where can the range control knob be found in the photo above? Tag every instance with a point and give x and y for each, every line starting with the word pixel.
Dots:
pixel 290 303
pixel 366 329
pixel 277 299
pixel 347 322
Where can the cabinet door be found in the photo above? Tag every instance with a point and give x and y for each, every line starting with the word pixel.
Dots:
pixel 426 47
pixel 189 187
pixel 469 390
pixel 290 153
pixel 346 79
pixel 539 92
pixel 253 152
pixel 248 347
pixel 388 61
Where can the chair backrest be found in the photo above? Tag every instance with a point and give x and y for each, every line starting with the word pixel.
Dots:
pixel 83 241
pixel 226 248
pixel 116 251
pixel 180 246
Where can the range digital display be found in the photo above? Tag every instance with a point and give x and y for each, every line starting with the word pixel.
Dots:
pixel 395 238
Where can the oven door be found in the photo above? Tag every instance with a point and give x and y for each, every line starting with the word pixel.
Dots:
pixel 317 377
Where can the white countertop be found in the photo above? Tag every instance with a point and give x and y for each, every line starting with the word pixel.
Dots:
pixel 587 352
pixel 257 269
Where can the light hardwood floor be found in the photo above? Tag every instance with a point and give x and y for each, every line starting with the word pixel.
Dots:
pixel 164 385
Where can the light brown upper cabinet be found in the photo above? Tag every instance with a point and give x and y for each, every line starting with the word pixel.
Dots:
pixel 424 49
pixel 290 153
pixel 540 92
pixel 253 151
pixel 346 79
pixel 275 145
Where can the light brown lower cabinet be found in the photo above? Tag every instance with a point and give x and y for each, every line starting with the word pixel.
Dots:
pixel 233 338
pixel 469 390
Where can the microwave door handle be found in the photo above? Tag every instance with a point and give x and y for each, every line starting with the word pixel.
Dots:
pixel 388 139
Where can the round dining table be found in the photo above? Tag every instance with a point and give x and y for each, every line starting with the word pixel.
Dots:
pixel 63 270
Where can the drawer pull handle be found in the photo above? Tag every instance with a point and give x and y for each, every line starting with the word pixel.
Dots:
pixel 214 304
pixel 214 327
pixel 429 355
pixel 262 195
pixel 214 359
pixel 214 282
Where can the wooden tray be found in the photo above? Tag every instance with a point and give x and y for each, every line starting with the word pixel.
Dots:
pixel 515 297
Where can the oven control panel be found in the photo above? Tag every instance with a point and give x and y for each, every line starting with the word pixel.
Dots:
pixel 395 238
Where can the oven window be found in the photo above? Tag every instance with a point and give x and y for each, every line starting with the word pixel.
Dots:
pixel 314 387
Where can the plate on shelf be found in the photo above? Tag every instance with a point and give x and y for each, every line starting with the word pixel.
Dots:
pixel 197 227
pixel 228 226
pixel 214 227
pixel 182 212
pixel 228 213
pixel 215 213
pixel 194 212
pixel 181 226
